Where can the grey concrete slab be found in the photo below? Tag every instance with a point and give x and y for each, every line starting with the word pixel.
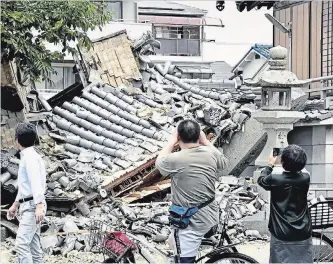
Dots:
pixel 252 140
pixel 319 135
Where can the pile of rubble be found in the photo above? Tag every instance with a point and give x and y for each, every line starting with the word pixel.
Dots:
pixel 105 140
pixel 70 232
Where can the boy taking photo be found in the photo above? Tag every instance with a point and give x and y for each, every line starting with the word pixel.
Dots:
pixel 289 221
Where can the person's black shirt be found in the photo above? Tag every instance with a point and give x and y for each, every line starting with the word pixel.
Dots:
pixel 289 215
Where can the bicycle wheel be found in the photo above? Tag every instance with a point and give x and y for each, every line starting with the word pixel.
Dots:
pixel 231 258
pixel 322 248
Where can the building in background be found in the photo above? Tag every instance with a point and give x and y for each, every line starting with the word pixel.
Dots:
pixel 254 62
pixel 312 36
pixel 179 28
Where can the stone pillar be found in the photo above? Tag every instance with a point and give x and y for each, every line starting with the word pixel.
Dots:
pixel 275 115
pixel 277 124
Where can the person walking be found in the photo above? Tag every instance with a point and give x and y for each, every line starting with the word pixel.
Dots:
pixel 193 171
pixel 289 221
pixel 30 199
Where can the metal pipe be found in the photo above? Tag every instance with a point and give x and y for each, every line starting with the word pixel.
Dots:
pixel 322 78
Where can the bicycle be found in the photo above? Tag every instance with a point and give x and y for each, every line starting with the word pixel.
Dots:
pixel 322 219
pixel 103 238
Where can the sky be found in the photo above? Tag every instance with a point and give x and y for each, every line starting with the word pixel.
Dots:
pixel 240 27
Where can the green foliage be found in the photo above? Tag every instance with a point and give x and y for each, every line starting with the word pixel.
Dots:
pixel 27 25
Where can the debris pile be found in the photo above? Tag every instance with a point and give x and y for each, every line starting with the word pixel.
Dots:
pixel 70 232
pixel 105 140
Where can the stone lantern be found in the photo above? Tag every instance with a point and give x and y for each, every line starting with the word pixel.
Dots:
pixel 275 113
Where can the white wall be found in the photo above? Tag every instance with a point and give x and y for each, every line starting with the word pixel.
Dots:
pixel 253 67
pixel 134 30
pixel 130 10
pixel 317 141
pixel 242 30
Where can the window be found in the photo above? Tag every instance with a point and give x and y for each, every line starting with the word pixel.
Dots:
pixel 185 32
pixel 115 7
pixel 178 40
pixel 63 78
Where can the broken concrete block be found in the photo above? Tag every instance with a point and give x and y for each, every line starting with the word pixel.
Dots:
pixel 70 226
pixel 83 208
pixel 78 246
pixel 64 181
pixel 252 140
pixel 259 203
pixel 252 233
pixel 49 241
pixel 251 208
pixel 57 175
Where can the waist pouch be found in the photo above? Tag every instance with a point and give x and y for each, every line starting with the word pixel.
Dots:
pixel 180 216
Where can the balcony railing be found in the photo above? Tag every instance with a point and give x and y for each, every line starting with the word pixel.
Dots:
pixel 179 47
pixel 326 92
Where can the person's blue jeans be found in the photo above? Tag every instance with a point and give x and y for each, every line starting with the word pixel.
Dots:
pixel 28 246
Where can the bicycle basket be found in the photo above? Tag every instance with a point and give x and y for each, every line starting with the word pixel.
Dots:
pixel 105 240
pixel 322 215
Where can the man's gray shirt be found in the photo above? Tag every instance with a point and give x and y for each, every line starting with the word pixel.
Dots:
pixel 193 174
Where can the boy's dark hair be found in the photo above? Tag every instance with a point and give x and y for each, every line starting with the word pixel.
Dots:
pixel 189 131
pixel 26 134
pixel 293 158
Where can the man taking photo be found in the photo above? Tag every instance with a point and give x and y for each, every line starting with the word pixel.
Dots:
pixel 193 171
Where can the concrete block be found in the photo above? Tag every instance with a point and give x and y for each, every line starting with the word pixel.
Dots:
pixel 252 141
pixel 309 152
pixel 329 134
pixel 318 173
pixel 249 170
pixel 329 153
pixel 329 175
pixel 318 135
pixel 319 154
pixel 300 136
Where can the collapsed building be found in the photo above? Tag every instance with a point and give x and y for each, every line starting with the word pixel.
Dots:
pixel 103 138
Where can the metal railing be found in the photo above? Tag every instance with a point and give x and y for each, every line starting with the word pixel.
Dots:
pixel 321 188
pixel 187 47
pixel 326 192
pixel 324 89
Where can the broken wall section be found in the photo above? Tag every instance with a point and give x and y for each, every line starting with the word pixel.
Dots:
pixel 113 59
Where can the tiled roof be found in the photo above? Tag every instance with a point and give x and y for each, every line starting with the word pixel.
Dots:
pixel 125 131
pixel 317 114
pixel 262 49
pixel 221 69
